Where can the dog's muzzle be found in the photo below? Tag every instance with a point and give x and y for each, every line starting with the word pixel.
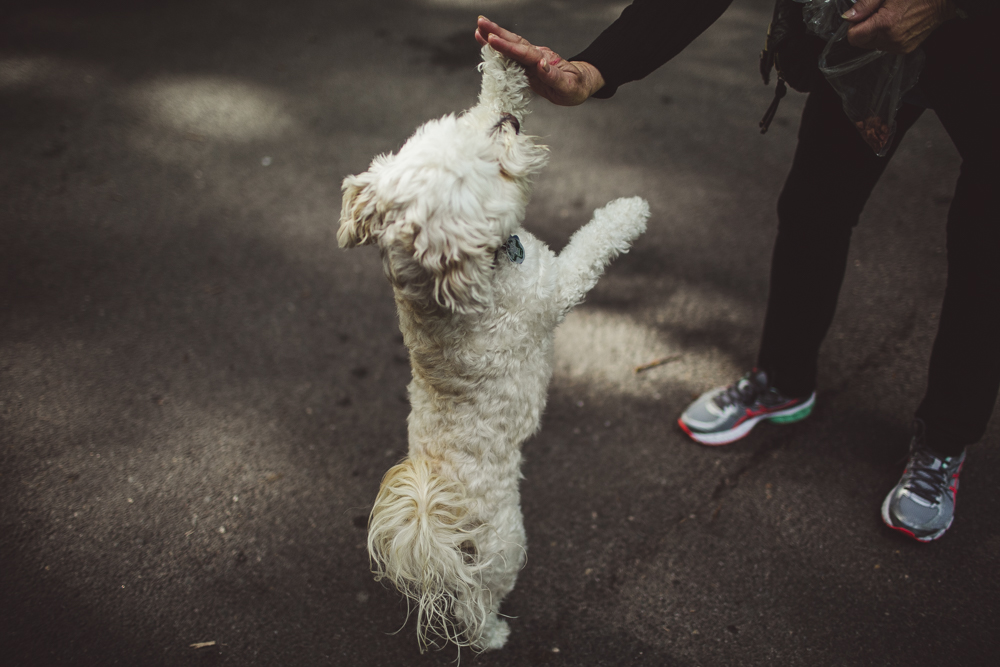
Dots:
pixel 508 118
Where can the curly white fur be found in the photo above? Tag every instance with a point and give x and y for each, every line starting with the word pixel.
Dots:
pixel 446 528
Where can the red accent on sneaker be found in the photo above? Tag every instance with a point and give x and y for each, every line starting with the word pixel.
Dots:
pixel 750 414
pixel 904 530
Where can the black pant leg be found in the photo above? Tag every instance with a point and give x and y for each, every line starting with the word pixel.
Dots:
pixel 961 79
pixel 831 178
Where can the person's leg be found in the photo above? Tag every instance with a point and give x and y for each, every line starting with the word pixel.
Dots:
pixel 962 81
pixel 964 374
pixel 832 176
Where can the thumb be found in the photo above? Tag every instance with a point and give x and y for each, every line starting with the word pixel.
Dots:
pixel 551 76
pixel 861 10
pixel 866 35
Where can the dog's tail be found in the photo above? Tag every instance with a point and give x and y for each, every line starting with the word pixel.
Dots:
pixel 423 537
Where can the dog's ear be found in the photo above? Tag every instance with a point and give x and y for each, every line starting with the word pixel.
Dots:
pixel 360 216
pixel 458 257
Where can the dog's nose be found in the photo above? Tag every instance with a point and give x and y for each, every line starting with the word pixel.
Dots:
pixel 509 118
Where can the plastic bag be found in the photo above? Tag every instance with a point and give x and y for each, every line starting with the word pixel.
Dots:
pixel 870 83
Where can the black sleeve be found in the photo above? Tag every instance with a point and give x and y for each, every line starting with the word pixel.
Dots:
pixel 977 8
pixel 646 35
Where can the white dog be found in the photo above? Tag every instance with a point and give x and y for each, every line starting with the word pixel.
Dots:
pixel 479 299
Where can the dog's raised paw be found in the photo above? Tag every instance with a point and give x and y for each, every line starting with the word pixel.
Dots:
pixel 630 213
pixel 623 220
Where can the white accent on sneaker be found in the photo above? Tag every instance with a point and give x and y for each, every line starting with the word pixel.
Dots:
pixel 917 499
pixel 712 407
pixel 726 437
pixel 721 415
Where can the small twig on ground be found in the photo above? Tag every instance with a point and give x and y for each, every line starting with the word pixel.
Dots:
pixel 658 362
pixel 202 644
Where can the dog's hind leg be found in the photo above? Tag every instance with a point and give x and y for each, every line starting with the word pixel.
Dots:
pixel 503 555
pixel 593 246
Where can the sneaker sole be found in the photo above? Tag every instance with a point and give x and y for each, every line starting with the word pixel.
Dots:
pixel 887 520
pixel 789 416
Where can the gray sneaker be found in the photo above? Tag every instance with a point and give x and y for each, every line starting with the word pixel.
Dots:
pixel 726 414
pixel 922 505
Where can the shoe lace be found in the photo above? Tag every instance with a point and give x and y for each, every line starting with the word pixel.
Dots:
pixel 741 393
pixel 928 476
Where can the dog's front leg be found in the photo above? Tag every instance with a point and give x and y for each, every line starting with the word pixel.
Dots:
pixel 593 246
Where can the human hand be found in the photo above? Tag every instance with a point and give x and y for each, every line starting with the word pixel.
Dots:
pixel 896 26
pixel 559 81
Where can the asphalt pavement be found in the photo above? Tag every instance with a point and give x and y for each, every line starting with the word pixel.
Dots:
pixel 199 391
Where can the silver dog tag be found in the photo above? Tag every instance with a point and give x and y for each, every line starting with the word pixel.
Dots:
pixel 514 249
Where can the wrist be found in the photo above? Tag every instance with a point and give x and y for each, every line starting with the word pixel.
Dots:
pixel 592 79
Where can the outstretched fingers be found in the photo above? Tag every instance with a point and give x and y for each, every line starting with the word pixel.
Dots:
pixel 557 80
pixel 507 43
pixel 537 60
pixel 486 27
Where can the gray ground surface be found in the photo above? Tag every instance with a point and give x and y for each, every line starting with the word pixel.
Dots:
pixel 199 392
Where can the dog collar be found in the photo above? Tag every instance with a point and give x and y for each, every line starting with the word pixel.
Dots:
pixel 513 249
